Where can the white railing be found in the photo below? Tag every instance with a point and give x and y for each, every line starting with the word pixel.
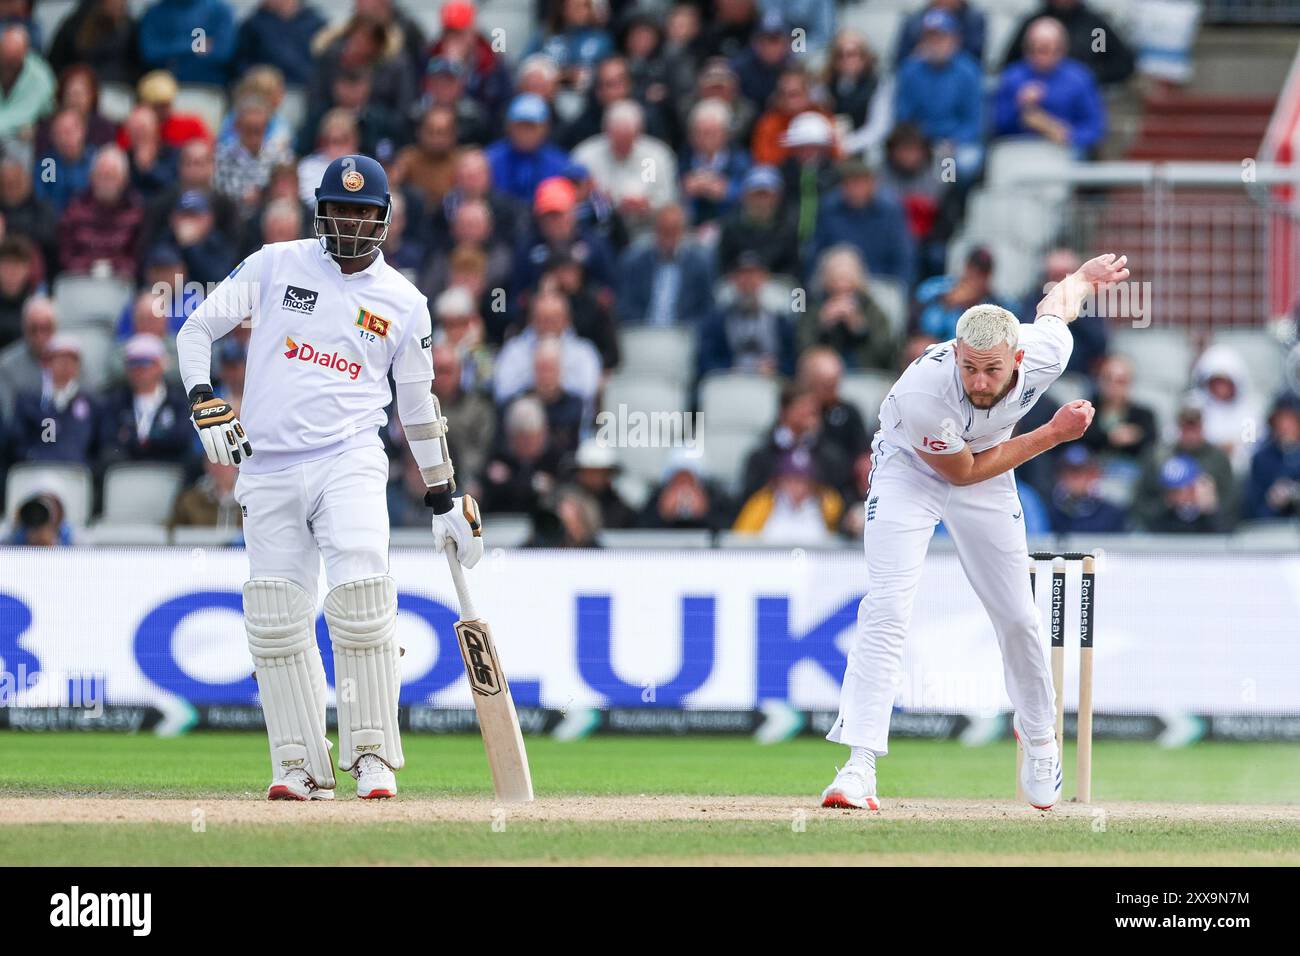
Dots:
pixel 1213 245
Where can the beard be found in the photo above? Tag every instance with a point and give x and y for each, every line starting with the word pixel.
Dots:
pixel 988 401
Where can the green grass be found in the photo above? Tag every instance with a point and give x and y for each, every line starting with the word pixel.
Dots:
pixel 236 765
pixel 881 841
pixel 231 764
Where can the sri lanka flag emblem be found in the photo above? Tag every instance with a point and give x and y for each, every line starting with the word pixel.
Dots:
pixel 372 323
pixel 292 348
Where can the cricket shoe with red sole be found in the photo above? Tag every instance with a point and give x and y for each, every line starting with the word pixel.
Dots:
pixel 854 788
pixel 297 784
pixel 1040 774
pixel 375 781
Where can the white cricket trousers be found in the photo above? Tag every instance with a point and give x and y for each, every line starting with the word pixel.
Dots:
pixel 986 524
pixel 333 508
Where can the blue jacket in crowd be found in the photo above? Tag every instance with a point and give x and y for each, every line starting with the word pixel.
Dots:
pixel 878 231
pixel 583 47
pixel 732 165
pixel 284 44
pixel 58 180
pixel 636 275
pixel 815 17
pixel 170 438
pixel 713 348
pixel 40 432
pixel 937 318
pixel 167 39
pixel 517 173
pixel 1071 96
pixel 971 25
pixel 1271 463
pixel 1093 515
pixel 945 100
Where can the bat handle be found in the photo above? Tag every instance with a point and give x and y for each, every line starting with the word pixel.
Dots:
pixel 467 612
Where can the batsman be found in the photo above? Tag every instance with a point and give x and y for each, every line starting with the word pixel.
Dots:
pixel 330 320
pixel 945 452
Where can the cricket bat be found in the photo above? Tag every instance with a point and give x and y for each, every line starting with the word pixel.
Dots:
pixel 497 718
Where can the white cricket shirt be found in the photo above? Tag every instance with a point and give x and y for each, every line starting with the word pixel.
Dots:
pixel 927 409
pixel 321 348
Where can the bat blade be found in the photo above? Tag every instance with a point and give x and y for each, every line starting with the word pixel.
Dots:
pixel 497 718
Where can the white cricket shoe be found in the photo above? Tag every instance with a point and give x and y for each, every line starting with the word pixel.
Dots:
pixel 1040 775
pixel 375 781
pixel 297 784
pixel 854 788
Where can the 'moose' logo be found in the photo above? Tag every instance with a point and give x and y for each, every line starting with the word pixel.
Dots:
pixel 306 352
pixel 300 300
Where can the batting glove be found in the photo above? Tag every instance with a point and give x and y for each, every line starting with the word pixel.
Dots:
pixel 457 519
pixel 223 437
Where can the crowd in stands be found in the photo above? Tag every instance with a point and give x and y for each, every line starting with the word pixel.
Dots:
pixel 746 170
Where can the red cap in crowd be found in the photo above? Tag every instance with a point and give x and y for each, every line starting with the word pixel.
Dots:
pixel 556 194
pixel 457 15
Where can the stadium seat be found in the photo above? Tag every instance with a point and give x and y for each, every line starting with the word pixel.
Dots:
pixel 293 109
pixel 777 294
pixel 514 18
pixel 891 295
pixel 115 101
pixel 97 359
pixel 499 531
pixel 1013 215
pixel 1164 402
pixel 662 538
pixel 866 390
pixel 1266 535
pixel 999 30
pixel 1015 269
pixel 642 393
pixel 71 483
pixel 742 399
pixel 1122 14
pixel 136 535
pixel 243 8
pixel 207 102
pixel 880 23
pixel 90 300
pixel 635 489
pixel 504 531
pixel 48 14
pixel 202 537
pixel 1015 163
pixel 647 418
pixel 725 452
pixel 140 492
pixel 644 464
pixel 1265 358
pixel 1162 357
pixel 739 539
pixel 1070 387
pixel 663 353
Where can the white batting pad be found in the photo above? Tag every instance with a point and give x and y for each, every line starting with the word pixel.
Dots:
pixel 362 617
pixel 278 617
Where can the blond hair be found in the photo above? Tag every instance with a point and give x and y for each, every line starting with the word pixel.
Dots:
pixel 986 326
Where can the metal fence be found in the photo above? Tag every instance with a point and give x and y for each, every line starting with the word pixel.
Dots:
pixel 1210 244
pixel 1252 11
pixel 1200 259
